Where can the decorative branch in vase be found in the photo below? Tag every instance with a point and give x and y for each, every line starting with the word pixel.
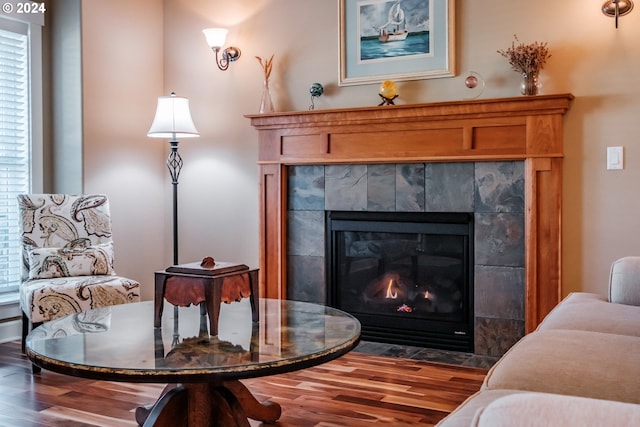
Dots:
pixel 527 59
pixel 266 104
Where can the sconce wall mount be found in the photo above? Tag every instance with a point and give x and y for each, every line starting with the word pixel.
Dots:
pixel 215 39
pixel 617 8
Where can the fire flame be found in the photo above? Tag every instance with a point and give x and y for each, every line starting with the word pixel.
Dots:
pixel 390 294
pixel 426 295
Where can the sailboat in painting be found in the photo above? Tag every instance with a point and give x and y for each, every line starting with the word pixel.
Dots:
pixel 396 23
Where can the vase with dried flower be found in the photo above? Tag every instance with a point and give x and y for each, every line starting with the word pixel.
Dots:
pixel 527 59
pixel 266 104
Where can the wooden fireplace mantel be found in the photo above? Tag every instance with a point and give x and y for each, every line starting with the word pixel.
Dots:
pixel 522 128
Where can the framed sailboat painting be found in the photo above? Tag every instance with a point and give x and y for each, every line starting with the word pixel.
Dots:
pixel 396 40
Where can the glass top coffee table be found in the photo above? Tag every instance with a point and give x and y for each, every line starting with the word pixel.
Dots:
pixel 120 343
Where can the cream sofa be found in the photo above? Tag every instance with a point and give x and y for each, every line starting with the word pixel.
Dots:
pixel 580 367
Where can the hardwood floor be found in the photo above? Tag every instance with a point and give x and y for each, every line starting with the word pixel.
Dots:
pixel 354 390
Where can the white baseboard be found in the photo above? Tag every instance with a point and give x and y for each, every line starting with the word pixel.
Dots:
pixel 10 331
pixel 10 317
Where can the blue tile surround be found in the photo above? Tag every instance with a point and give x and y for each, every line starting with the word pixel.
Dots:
pixel 492 191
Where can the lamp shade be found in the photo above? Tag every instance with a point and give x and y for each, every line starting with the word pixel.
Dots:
pixel 215 36
pixel 173 119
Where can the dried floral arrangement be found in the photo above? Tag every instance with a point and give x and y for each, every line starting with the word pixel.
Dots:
pixel 526 58
pixel 266 66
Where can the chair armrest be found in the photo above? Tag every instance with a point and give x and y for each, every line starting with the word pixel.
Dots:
pixel 624 281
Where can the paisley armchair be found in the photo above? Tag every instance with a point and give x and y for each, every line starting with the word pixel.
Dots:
pixel 67 252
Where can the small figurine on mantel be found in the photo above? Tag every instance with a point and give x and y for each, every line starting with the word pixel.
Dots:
pixel 316 90
pixel 388 92
pixel 475 83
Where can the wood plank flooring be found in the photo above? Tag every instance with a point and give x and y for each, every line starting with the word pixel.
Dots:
pixel 355 390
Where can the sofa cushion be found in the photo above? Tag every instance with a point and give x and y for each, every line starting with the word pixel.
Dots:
pixel 591 312
pixel 464 414
pixel 550 410
pixel 578 363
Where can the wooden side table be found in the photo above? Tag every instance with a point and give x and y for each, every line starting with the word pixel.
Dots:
pixel 187 284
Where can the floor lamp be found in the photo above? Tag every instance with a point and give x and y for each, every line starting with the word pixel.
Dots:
pixel 173 120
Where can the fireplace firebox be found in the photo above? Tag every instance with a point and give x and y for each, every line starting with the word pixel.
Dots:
pixel 408 277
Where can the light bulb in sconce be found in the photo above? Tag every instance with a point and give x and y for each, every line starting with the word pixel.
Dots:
pixel 215 39
pixel 215 36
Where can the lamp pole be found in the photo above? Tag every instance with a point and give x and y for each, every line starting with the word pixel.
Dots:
pixel 174 164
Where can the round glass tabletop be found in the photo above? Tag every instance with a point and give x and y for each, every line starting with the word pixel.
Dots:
pixel 120 343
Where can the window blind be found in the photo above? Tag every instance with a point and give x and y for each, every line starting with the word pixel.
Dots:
pixel 14 148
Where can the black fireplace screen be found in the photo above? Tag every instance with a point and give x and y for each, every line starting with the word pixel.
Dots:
pixel 406 276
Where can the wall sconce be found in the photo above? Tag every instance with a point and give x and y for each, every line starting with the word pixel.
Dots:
pixel 616 8
pixel 215 38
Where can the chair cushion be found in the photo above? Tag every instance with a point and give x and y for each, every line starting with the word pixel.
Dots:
pixel 62 220
pixel 78 260
pixel 47 299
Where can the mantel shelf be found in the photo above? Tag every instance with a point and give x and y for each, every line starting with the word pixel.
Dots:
pixel 450 110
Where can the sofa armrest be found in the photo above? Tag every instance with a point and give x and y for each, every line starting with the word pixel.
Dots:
pixel 624 281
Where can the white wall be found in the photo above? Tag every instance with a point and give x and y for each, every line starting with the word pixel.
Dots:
pixel 218 185
pixel 65 134
pixel 122 59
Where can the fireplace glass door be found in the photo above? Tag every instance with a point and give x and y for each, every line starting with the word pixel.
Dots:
pixel 406 276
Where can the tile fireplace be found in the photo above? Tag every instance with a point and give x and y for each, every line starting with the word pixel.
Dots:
pixel 483 202
pixel 497 160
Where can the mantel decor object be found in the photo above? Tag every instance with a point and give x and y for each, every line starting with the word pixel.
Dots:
pixel 316 90
pixel 527 59
pixel 388 92
pixel 266 104
pixel 475 84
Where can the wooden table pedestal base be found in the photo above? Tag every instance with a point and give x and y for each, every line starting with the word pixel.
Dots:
pixel 229 404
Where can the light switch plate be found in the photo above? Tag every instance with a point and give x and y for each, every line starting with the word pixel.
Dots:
pixel 615 158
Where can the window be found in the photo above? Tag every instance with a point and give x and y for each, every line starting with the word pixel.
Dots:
pixel 14 150
pixel 20 136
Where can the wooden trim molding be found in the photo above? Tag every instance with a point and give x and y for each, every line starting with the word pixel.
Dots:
pixel 520 128
pixel 272 223
pixel 543 238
